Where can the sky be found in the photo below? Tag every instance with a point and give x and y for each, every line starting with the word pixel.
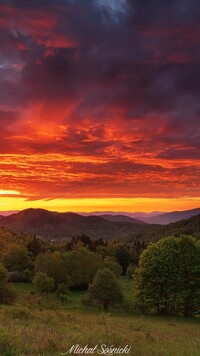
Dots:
pixel 100 105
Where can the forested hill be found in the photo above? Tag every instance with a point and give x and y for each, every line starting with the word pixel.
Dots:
pixel 189 226
pixel 54 225
pixel 167 218
pixel 59 226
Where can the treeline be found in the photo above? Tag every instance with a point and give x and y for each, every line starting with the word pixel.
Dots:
pixel 74 263
pixel 166 273
pixel 71 266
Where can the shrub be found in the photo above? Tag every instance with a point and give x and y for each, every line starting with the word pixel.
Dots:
pixel 18 277
pixel 7 295
pixel 43 283
pixel 20 313
pixel 62 289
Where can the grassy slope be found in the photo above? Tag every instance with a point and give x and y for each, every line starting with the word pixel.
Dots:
pixel 49 328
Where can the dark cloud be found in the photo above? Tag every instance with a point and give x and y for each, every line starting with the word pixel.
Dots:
pixel 114 79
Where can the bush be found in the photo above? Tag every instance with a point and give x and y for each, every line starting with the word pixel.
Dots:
pixel 20 277
pixel 7 295
pixel 43 283
pixel 62 289
pixel 63 298
pixel 20 313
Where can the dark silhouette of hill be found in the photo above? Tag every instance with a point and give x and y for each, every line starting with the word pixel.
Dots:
pixel 154 233
pixel 121 218
pixel 54 225
pixel 171 217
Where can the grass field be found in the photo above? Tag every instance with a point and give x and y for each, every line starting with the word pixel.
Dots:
pixel 47 327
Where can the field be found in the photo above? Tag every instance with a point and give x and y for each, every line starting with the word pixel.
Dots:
pixel 47 327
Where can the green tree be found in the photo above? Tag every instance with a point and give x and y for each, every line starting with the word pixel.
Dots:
pixel 81 266
pixel 43 283
pixel 7 293
pixel 35 246
pixel 123 256
pixel 106 288
pixel 52 264
pixel 16 258
pixel 167 278
pixel 112 265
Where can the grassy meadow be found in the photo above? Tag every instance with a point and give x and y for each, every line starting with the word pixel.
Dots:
pixel 45 326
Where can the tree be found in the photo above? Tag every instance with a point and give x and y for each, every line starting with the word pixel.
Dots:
pixel 123 256
pixel 52 264
pixel 43 283
pixel 112 265
pixel 16 258
pixel 105 288
pixel 7 294
pixel 35 246
pixel 81 266
pixel 167 278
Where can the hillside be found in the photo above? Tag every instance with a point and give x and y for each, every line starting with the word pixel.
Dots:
pixel 189 226
pixel 53 225
pixel 171 217
pixel 121 218
pixel 59 226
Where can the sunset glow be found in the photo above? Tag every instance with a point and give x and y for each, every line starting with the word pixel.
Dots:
pixel 99 105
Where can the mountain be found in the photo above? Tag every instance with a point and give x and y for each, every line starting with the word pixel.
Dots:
pixel 154 217
pixel 8 212
pixel 171 217
pixel 154 233
pixel 121 218
pixel 54 225
pixel 137 215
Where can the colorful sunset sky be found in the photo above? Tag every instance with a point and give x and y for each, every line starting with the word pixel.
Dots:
pixel 100 105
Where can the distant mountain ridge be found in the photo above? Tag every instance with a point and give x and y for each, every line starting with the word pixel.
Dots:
pixel 54 225
pixel 136 215
pixel 120 218
pixel 190 226
pixel 155 217
pixel 168 218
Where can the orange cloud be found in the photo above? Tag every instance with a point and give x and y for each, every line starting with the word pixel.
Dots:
pixel 97 109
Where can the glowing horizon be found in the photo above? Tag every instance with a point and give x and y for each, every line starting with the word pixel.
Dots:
pixel 113 204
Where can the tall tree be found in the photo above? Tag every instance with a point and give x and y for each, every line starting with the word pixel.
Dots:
pixel 167 278
pixel 123 257
pixel 106 288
